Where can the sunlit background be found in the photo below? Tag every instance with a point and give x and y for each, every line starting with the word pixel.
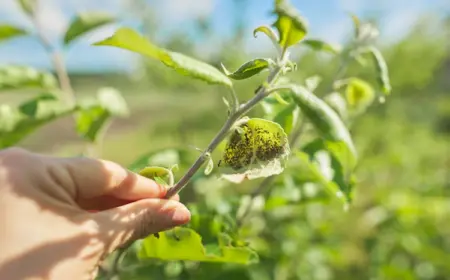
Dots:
pixel 398 226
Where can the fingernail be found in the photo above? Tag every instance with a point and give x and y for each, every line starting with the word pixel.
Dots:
pixel 181 215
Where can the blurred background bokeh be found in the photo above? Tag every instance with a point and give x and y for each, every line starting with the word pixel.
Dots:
pixel 399 224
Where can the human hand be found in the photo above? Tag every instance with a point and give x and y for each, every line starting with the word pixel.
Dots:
pixel 60 217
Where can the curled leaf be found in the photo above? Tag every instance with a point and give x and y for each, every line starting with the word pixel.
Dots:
pixel 260 150
pixel 382 70
pixel 126 38
pixel 319 45
pixel 249 69
pixel 323 117
pixel 269 33
pixel 158 174
pixel 266 30
pixel 209 166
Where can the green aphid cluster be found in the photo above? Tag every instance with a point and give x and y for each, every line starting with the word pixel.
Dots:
pixel 253 143
pixel 239 150
pixel 268 144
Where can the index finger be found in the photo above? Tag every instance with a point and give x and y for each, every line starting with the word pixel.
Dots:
pixel 95 177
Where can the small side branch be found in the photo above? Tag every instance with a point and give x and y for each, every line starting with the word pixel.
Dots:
pixel 57 61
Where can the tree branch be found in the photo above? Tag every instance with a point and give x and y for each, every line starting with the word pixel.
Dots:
pixel 57 61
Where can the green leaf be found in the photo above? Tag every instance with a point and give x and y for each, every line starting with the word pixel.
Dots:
pixel 17 123
pixel 184 244
pixel 128 39
pixel 249 69
pixel 312 167
pixel 266 30
pixel 287 117
pixel 28 6
pixel 382 70
pixel 319 45
pixel 158 173
pixel 91 121
pixel 341 166
pixel 20 77
pixel 86 22
pixel 93 118
pixel 291 26
pixel 8 32
pixel 259 149
pixel 209 166
pixel 359 94
pixel 325 120
pixel 269 33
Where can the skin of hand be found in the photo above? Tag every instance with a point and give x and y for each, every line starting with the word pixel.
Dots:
pixel 60 217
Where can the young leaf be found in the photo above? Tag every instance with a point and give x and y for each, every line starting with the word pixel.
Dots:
pixel 359 94
pixel 269 33
pixel 185 244
pixel 20 77
pixel 209 166
pixel 319 45
pixel 249 69
pixel 291 26
pixel 8 32
pixel 266 30
pixel 259 151
pixel 325 119
pixel 382 70
pixel 17 123
pixel 158 173
pixel 84 23
pixel 28 6
pixel 128 39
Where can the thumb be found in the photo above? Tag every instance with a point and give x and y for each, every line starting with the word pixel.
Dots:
pixel 139 219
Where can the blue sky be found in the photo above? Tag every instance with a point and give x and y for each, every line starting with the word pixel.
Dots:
pixel 327 19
